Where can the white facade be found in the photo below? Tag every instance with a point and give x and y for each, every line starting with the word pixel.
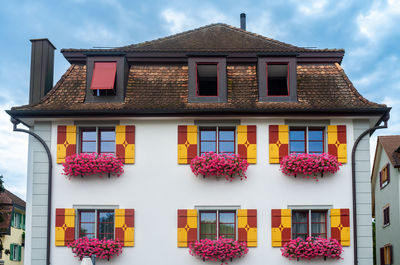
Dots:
pixel 156 186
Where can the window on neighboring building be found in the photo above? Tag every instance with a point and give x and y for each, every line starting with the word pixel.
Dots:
pixel 277 80
pixel 96 224
pixel 207 79
pixel 104 78
pixel 306 140
pixel 217 223
pixel 18 220
pixel 15 252
pixel 386 215
pixel 97 139
pixel 217 140
pixel 386 255
pixel 384 176
pixel 309 223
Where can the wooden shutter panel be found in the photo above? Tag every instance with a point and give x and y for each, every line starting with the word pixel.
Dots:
pixel 247 142
pixel 337 143
pixel 247 226
pixel 278 143
pixel 125 226
pixel 12 252
pixel 340 226
pixel 65 226
pixel 388 172
pixel 19 253
pixel 391 254
pixel 125 143
pixel 187 227
pixel 66 142
pixel 281 226
pixel 382 255
pixel 187 143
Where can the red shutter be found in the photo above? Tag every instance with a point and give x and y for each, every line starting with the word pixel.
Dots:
pixel 340 226
pixel 65 226
pixel 337 142
pixel 103 75
pixel 281 227
pixel 247 226
pixel 125 226
pixel 278 143
pixel 187 227
pixel 187 143
pixel 66 142
pixel 125 143
pixel 247 142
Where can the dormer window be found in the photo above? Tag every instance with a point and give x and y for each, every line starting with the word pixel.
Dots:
pixel 104 78
pixel 277 79
pixel 207 79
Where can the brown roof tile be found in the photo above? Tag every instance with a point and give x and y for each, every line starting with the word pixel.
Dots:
pixel 391 145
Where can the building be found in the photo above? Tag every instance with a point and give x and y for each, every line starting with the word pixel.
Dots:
pixel 160 103
pixel 386 199
pixel 12 229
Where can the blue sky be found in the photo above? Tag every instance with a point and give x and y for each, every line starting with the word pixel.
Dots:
pixel 367 30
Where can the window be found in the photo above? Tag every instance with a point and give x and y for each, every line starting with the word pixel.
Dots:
pixel 309 223
pixel 96 224
pixel 277 80
pixel 97 139
pixel 384 176
pixel 18 220
pixel 207 79
pixel 306 140
pixel 386 215
pixel 15 252
pixel 217 140
pixel 103 80
pixel 217 223
pixel 386 255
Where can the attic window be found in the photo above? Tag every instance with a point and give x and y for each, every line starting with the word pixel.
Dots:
pixel 207 79
pixel 104 78
pixel 277 79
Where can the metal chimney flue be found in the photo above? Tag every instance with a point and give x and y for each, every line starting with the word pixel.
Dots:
pixel 243 21
pixel 42 69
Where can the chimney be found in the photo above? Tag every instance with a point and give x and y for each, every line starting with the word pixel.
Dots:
pixel 42 69
pixel 243 21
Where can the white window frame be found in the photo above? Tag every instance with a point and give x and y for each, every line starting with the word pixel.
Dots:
pixel 15 252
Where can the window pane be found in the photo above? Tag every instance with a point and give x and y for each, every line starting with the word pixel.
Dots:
pixel 208 135
pixel 226 147
pixel 87 216
pixel 318 224
pixel 297 135
pixel 227 225
pixel 88 147
pixel 208 147
pixel 277 80
pixel 106 225
pixel 297 147
pixel 208 225
pixel 107 147
pixel 87 229
pixel 226 135
pixel 227 217
pixel 107 135
pixel 87 224
pixel 315 135
pixel 89 135
pixel 207 80
pixel 300 224
pixel 315 147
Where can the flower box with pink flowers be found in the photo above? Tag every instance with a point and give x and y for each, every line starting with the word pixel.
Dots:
pixel 103 249
pixel 220 250
pixel 309 165
pixel 228 166
pixel 86 164
pixel 312 248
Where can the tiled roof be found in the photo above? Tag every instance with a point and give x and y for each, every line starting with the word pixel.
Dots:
pixel 7 200
pixel 162 88
pixel 211 38
pixel 391 145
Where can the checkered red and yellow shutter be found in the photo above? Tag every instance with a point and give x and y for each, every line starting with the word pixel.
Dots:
pixel 247 226
pixel 125 226
pixel 337 143
pixel 247 142
pixel 340 226
pixel 65 226
pixel 187 227
pixel 125 143
pixel 66 142
pixel 281 224
pixel 278 143
pixel 187 143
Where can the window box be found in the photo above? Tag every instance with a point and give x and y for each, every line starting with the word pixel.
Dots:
pixel 309 164
pixel 86 164
pixel 222 249
pixel 219 165
pixel 312 248
pixel 103 249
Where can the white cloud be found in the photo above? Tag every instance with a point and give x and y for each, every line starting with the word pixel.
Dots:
pixel 312 7
pixel 381 19
pixel 318 8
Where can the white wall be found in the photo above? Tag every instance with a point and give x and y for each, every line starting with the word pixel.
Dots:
pixel 156 186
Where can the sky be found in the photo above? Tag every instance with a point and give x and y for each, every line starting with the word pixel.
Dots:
pixel 368 31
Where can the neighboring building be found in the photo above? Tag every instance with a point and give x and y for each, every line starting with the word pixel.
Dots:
pixel 386 199
pixel 160 103
pixel 12 229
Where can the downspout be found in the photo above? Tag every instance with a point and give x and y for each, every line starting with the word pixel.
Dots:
pixel 15 122
pixel 370 131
